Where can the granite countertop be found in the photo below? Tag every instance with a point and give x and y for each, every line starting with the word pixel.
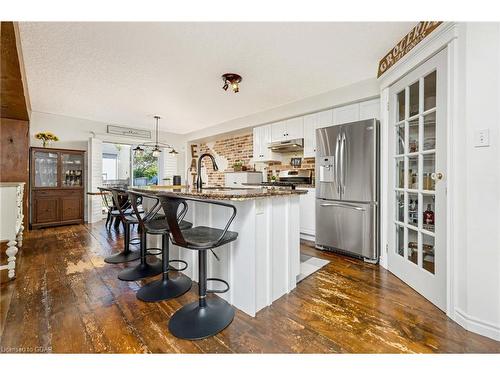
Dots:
pixel 220 193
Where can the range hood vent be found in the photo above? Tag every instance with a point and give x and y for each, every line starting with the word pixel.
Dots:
pixel 291 145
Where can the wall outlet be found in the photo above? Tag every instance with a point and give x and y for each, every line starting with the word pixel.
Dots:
pixel 482 138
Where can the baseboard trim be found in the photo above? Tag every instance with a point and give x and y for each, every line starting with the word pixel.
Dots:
pixel 477 325
pixel 307 237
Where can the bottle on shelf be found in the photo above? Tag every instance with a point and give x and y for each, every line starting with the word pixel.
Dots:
pixel 429 215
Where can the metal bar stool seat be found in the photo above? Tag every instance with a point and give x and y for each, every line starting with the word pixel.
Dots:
pixel 205 237
pixel 167 287
pixel 209 315
pixel 160 225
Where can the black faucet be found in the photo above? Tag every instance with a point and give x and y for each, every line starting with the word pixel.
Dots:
pixel 199 182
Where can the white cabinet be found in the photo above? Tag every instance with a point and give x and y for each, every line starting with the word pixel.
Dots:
pixel 357 111
pixel 310 126
pixel 347 113
pixel 295 128
pixel 369 109
pixel 288 129
pixel 308 214
pixel 305 127
pixel 238 179
pixel 278 131
pixel 325 118
pixel 261 138
pixel 311 123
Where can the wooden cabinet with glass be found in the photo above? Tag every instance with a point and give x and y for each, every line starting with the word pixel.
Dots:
pixel 56 187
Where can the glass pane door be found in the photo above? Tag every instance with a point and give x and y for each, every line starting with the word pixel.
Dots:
pixel 45 169
pixel 418 164
pixel 71 170
pixel 415 140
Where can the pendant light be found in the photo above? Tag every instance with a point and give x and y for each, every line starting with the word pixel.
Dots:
pixel 138 151
pixel 156 145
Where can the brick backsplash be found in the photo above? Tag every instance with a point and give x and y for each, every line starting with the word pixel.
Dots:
pixel 240 147
pixel 231 149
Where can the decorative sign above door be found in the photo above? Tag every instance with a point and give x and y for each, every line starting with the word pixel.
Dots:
pixel 405 45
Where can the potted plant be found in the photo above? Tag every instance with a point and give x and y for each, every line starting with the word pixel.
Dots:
pixel 46 137
pixel 237 165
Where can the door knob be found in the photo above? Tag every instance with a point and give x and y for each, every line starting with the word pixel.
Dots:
pixel 437 176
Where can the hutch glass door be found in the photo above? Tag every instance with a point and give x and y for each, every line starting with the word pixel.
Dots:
pixel 71 170
pixel 46 168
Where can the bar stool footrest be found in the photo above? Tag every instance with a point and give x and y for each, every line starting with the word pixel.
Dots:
pixel 157 250
pixel 134 241
pixel 170 268
pixel 218 290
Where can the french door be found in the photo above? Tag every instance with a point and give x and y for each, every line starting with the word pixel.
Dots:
pixel 417 179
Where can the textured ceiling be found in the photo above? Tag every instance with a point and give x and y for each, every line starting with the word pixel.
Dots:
pixel 123 73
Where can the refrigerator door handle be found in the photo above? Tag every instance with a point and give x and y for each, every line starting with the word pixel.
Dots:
pixel 337 162
pixel 343 205
pixel 342 162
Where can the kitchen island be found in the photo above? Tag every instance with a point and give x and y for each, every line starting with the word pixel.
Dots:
pixel 263 263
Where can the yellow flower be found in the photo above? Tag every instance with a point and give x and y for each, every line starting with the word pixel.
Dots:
pixel 46 136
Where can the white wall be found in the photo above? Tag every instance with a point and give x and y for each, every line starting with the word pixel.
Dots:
pixel 479 297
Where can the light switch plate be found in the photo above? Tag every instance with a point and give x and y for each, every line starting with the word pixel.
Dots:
pixel 482 138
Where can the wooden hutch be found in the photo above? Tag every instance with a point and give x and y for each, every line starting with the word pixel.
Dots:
pixel 56 187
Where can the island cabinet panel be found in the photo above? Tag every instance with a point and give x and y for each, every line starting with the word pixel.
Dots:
pixel 263 263
pixel 56 187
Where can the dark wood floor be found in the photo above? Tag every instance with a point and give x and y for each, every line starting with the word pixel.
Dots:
pixel 66 299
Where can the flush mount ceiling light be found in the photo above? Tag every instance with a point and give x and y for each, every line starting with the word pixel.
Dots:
pixel 233 80
pixel 156 145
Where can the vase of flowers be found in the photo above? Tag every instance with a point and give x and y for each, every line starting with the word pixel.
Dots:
pixel 46 137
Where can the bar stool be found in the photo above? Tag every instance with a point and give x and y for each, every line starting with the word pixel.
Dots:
pixel 167 287
pixel 208 316
pixel 144 268
pixel 121 208
pixel 107 202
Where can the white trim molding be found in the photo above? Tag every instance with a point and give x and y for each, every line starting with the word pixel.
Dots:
pixel 477 325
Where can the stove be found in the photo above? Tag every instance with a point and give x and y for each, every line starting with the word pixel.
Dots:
pixel 291 178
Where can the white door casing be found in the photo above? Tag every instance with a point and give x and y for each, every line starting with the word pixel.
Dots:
pixel 417 179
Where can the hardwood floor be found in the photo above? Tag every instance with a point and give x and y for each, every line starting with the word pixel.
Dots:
pixel 66 299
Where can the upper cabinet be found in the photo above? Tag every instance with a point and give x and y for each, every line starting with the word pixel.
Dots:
pixel 357 111
pixel 261 138
pixel 287 129
pixel 369 109
pixel 325 118
pixel 305 127
pixel 295 128
pixel 310 125
pixel 347 113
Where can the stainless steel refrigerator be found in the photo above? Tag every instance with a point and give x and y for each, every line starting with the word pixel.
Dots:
pixel 347 189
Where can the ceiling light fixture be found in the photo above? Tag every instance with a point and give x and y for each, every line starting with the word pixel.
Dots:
pixel 156 145
pixel 233 80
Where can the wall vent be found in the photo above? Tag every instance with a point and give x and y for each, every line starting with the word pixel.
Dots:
pixel 129 132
